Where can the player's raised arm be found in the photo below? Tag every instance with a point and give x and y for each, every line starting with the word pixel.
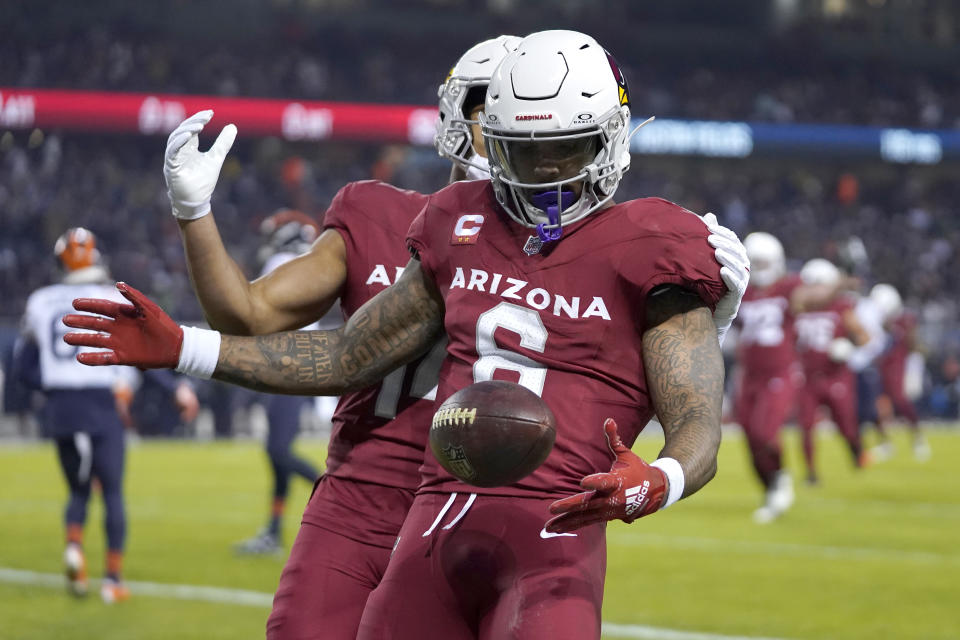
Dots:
pixel 393 328
pixel 292 296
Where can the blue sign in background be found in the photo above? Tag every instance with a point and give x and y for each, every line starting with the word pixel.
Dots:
pixel 743 139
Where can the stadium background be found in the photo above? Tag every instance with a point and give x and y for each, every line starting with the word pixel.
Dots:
pixel 816 120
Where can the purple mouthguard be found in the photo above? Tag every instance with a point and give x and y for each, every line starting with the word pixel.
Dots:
pixel 547 200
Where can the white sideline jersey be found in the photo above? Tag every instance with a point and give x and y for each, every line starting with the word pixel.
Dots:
pixel 42 324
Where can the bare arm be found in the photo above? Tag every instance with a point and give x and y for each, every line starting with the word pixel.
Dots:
pixel 684 370
pixel 392 329
pixel 292 296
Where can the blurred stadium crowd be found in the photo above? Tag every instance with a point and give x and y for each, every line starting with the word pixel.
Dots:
pixel 791 83
pixel 113 184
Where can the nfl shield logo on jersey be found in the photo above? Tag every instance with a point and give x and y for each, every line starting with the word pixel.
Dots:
pixel 533 246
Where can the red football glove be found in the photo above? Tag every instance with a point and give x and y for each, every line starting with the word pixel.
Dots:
pixel 630 490
pixel 141 334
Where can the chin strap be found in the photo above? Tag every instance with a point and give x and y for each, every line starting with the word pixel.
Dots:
pixel 553 203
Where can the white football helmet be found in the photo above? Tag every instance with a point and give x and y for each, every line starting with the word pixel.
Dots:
pixel 464 88
pixel 767 261
pixel 562 88
pixel 887 299
pixel 820 271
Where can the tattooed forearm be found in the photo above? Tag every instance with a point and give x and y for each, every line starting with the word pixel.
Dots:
pixel 390 330
pixel 684 372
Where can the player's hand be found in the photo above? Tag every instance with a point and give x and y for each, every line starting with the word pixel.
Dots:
pixel 187 403
pixel 191 175
pixel 139 334
pixel 734 269
pixel 630 490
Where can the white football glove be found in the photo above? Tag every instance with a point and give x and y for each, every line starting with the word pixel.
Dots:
pixel 734 269
pixel 191 175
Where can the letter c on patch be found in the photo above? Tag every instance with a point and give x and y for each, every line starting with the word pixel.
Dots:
pixel 468 225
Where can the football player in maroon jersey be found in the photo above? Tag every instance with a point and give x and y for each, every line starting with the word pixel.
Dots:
pixel 769 371
pixel 900 326
pixel 825 340
pixel 538 277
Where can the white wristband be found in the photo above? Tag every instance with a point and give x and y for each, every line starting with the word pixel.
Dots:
pixel 674 473
pixel 199 353
pixel 183 210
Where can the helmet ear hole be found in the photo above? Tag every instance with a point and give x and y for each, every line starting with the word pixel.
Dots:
pixel 475 97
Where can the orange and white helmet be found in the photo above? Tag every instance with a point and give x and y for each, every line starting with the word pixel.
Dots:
pixel 77 249
pixel 465 88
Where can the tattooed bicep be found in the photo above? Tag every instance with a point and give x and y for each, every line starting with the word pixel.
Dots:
pixel 415 294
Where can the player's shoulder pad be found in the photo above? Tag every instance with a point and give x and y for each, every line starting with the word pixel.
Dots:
pixel 662 217
pixel 462 195
pixel 369 196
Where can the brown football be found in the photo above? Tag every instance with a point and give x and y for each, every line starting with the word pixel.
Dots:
pixel 492 433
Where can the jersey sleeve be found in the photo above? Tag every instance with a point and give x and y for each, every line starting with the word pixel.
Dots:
pixel 419 240
pixel 673 249
pixel 342 214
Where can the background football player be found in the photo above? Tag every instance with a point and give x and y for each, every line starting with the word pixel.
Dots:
pixel 825 340
pixel 900 325
pixel 84 411
pixel 287 233
pixel 769 372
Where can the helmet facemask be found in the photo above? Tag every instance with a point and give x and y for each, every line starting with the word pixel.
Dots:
pixel 454 138
pixel 585 162
pixel 557 90
pixel 462 92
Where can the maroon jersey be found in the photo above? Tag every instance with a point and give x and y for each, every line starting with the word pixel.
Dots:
pixel 565 323
pixel 379 433
pixel 900 341
pixel 815 331
pixel 767 344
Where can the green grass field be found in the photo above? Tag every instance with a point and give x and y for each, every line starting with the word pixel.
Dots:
pixel 871 554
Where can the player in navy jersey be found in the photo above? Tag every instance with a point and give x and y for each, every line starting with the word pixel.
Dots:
pixel 603 308
pixel 83 410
